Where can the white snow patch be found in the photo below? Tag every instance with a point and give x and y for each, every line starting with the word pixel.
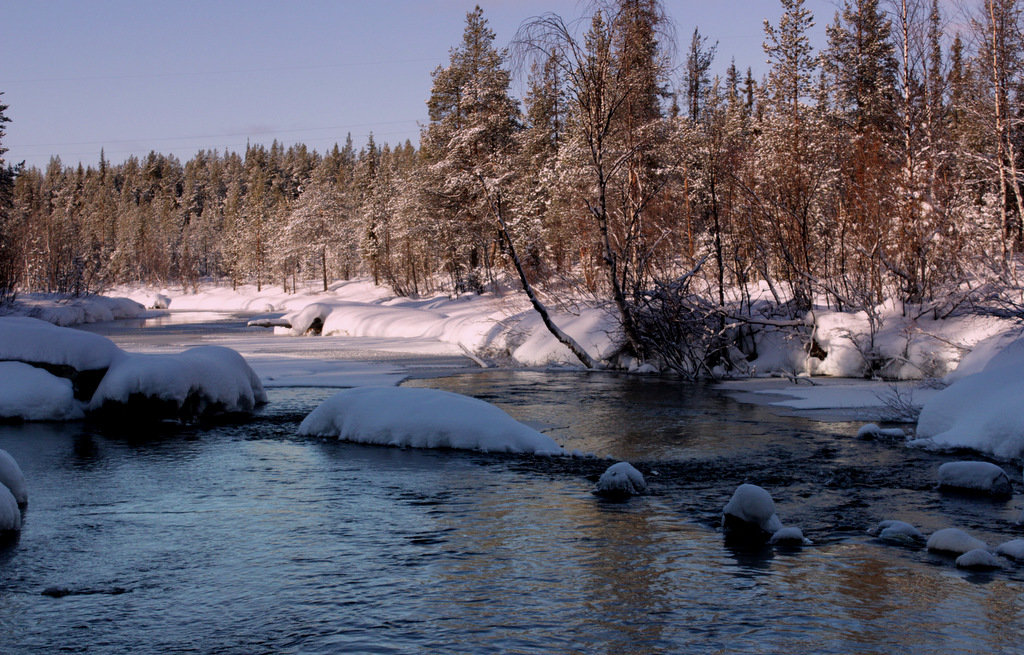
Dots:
pixel 980 411
pixel 12 478
pixel 10 513
pixel 1014 549
pixel 753 505
pixel 621 480
pixel 981 477
pixel 65 310
pixel 423 418
pixel 32 340
pixel 789 536
pixel 897 531
pixel 217 378
pixel 32 394
pixel 872 431
pixel 979 558
pixel 954 540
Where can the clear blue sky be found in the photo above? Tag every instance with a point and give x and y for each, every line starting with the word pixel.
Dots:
pixel 132 76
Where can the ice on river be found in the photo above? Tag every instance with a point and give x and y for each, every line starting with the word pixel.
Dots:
pixel 423 418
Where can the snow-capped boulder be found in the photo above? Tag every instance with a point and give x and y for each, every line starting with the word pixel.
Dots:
pixel 621 480
pixel 975 477
pixel 873 431
pixel 81 357
pixel 898 532
pixel 10 513
pixel 750 515
pixel 32 394
pixel 160 301
pixel 12 478
pixel 423 418
pixel 954 541
pixel 199 382
pixel 789 537
pixel 978 559
pixel 1013 549
pixel 978 411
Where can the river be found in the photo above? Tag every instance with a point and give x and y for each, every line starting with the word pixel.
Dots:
pixel 245 538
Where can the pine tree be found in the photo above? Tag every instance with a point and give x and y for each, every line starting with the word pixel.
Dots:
pixel 8 243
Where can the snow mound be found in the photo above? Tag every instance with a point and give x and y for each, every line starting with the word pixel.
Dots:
pixel 978 559
pixel 789 538
pixel 160 301
pixel 64 310
pixel 201 381
pixel 975 477
pixel 872 431
pixel 12 478
pixel 423 418
pixel 1013 549
pixel 10 514
pixel 34 341
pixel 31 394
pixel 954 540
pixel 750 514
pixel 897 532
pixel 977 411
pixel 621 480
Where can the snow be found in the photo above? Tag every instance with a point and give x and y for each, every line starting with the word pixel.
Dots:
pixel 64 310
pixel 32 340
pixel 10 514
pixel 621 480
pixel 12 478
pixel 980 411
pixel 897 532
pixel 1014 549
pixel 979 477
pixel 789 537
pixel 872 431
pixel 31 394
pixel 954 540
pixel 979 559
pixel 423 418
pixel 213 378
pixel 750 504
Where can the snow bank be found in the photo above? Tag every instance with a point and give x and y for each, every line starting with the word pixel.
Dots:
pixel 201 381
pixel 980 411
pixel 897 532
pixel 40 342
pixel 872 431
pixel 423 418
pixel 10 514
pixel 12 478
pixel 750 514
pixel 65 310
pixel 955 541
pixel 975 477
pixel 621 480
pixel 31 394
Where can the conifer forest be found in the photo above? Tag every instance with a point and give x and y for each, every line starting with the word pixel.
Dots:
pixel 884 166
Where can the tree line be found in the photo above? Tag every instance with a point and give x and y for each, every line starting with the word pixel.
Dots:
pixel 886 166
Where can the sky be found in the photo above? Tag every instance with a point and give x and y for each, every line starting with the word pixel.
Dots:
pixel 176 77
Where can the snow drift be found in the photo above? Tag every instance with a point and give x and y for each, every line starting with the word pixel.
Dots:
pixel 423 418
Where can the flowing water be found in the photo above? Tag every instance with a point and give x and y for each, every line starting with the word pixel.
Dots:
pixel 244 538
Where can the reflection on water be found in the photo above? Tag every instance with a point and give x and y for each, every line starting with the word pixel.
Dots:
pixel 247 539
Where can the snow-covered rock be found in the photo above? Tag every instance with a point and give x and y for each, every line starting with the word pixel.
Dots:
pixel 31 394
pixel 12 478
pixel 160 301
pixel 789 537
pixel 201 381
pixel 872 431
pixel 898 532
pixel 34 341
pixel 10 513
pixel 750 514
pixel 980 411
pixel 60 309
pixel 1013 549
pixel 423 418
pixel 978 559
pixel 975 477
pixel 954 540
pixel 621 480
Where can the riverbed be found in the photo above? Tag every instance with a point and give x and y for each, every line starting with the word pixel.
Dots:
pixel 245 538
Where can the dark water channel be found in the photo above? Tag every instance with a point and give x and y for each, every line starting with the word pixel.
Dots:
pixel 249 539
